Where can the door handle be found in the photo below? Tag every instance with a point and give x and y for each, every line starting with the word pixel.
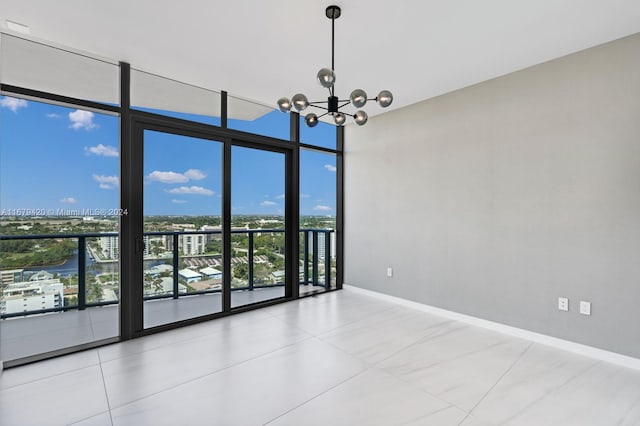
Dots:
pixel 139 245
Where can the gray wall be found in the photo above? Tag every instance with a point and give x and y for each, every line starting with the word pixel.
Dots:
pixel 496 199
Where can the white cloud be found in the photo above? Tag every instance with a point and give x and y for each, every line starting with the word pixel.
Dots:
pixel 12 103
pixel 53 115
pixel 167 177
pixel 267 203
pixel 107 182
pixel 68 200
pixel 175 177
pixel 104 150
pixel 322 208
pixel 330 167
pixel 174 201
pixel 82 120
pixel 194 174
pixel 197 190
pixel 305 196
pixel 280 197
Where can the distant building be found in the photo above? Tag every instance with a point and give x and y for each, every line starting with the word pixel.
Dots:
pixel 159 270
pixel 110 247
pixel 162 242
pixel 11 276
pixel 278 276
pixel 211 273
pixel 189 275
pixel 165 286
pixel 41 276
pixel 322 247
pixel 32 296
pixel 192 244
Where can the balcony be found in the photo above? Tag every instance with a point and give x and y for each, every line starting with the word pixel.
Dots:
pixel 77 302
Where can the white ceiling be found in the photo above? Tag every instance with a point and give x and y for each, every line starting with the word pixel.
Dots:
pixel 262 50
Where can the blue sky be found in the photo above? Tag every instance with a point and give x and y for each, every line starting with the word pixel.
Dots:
pixel 54 157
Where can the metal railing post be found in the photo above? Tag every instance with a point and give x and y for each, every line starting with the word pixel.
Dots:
pixel 306 257
pixel 314 266
pixel 176 263
pixel 82 273
pixel 250 259
pixel 327 259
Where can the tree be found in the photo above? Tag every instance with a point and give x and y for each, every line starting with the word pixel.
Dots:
pixel 241 271
pixel 94 292
pixel 214 246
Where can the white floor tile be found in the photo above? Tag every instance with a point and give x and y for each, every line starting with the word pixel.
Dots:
pixel 145 373
pixel 450 416
pixel 103 419
pixel 459 366
pixel 473 421
pixel 58 400
pixel 382 335
pixel 44 369
pixel 541 371
pixel 371 398
pixel 130 347
pixel 250 393
pixel 323 317
pixel 602 395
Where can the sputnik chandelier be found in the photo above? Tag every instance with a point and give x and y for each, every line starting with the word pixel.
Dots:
pixel 327 79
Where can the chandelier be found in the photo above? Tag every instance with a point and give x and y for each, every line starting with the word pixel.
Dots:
pixel 333 104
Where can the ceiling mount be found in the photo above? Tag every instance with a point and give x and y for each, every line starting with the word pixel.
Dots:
pixel 327 77
pixel 333 12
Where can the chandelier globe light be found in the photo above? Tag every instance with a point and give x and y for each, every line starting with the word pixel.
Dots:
pixel 327 79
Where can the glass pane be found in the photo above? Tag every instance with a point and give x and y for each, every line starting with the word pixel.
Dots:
pixel 257 242
pixel 256 118
pixel 317 221
pixel 182 239
pixel 34 65
pixel 59 175
pixel 160 95
pixel 323 134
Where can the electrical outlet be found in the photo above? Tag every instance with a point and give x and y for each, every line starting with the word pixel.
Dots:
pixel 585 307
pixel 389 272
pixel 563 304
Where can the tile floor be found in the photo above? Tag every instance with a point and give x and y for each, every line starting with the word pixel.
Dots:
pixel 26 336
pixel 341 358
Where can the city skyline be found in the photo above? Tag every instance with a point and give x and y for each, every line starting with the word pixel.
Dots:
pixel 82 171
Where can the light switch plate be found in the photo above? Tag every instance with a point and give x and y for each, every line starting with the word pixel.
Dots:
pixel 585 307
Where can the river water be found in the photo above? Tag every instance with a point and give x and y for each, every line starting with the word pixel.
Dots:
pixel 70 267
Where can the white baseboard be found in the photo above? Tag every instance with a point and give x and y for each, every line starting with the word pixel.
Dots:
pixel 588 351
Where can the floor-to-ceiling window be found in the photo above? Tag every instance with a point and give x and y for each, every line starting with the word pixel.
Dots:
pixel 59 200
pixel 318 208
pixel 137 203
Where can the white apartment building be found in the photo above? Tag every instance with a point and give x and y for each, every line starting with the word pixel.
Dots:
pixel 110 247
pixel 32 296
pixel 192 244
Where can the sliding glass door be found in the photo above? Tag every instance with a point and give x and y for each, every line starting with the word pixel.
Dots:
pixel 182 236
pixel 210 228
pixel 258 236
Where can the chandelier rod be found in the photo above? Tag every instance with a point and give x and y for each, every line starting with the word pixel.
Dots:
pixel 333 40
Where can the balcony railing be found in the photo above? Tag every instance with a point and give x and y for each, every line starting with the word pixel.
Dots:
pixel 315 248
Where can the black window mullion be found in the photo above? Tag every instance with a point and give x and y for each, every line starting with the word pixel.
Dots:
pixel 226 227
